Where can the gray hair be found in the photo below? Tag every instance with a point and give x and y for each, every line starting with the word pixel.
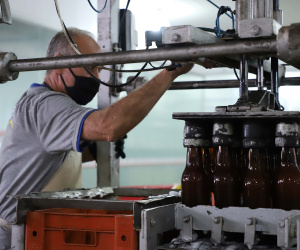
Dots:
pixel 60 45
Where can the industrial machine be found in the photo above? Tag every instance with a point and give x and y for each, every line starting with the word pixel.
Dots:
pixel 257 44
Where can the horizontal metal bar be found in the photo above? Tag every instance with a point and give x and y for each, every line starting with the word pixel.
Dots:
pixel 142 192
pixel 264 46
pixel 291 81
pixel 31 204
pixel 208 84
pixel 214 84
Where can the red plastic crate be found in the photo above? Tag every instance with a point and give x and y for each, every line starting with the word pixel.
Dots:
pixel 78 229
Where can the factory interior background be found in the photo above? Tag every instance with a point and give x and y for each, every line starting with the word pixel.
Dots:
pixel 155 154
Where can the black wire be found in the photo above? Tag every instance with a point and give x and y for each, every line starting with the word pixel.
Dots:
pixel 135 70
pixel 162 66
pixel 212 30
pixel 101 82
pixel 98 11
pixel 236 74
pixel 119 85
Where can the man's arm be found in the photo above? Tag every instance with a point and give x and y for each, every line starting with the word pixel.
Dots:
pixel 118 119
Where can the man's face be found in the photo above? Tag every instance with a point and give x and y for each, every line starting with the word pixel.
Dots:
pixel 86 45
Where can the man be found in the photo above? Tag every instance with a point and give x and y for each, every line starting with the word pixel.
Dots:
pixel 49 127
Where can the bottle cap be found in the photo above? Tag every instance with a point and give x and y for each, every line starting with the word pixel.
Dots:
pixel 254 130
pixel 222 129
pixel 287 129
pixel 255 135
pixel 222 134
pixel 196 135
pixel 193 131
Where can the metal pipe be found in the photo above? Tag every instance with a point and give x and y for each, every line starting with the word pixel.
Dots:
pixel 217 84
pixel 275 4
pixel 291 81
pixel 244 11
pixel 264 46
pixel 209 84
pixel 243 79
pixel 274 77
pixel 260 74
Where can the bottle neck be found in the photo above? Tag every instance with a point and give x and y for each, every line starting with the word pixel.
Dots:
pixel 193 157
pixel 288 157
pixel 255 160
pixel 223 159
pixel 205 156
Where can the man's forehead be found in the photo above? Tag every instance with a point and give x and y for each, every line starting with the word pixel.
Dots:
pixel 87 45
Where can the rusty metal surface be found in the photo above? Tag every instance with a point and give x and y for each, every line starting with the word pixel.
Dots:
pixel 213 116
pixel 288 44
pixel 106 198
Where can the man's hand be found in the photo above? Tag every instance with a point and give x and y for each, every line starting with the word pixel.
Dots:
pixel 185 68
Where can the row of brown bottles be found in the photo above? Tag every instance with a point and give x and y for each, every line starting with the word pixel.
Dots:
pixel 253 180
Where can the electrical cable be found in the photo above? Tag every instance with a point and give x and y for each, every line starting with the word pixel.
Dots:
pixel 218 7
pixel 133 70
pixel 236 74
pixel 211 30
pixel 160 67
pixel 223 10
pixel 74 46
pixel 119 85
pixel 98 11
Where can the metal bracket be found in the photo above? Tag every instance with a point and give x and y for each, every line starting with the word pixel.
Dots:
pixel 18 237
pixel 259 27
pixel 187 230
pixel 154 221
pixel 217 230
pixel 288 232
pixel 5 74
pixel 298 234
pixel 5 11
pixel 249 237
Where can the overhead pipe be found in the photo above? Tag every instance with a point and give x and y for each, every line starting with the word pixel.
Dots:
pixel 264 46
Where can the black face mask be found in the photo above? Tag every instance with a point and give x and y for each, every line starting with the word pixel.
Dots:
pixel 84 89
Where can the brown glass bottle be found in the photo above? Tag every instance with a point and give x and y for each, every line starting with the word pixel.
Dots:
pixel 207 168
pixel 298 156
pixel 193 182
pixel 236 162
pixel 257 187
pixel 287 186
pixel 226 192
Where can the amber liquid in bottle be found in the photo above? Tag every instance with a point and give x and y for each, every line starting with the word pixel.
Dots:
pixel 287 186
pixel 237 163
pixel 257 186
pixel 207 168
pixel 193 182
pixel 226 191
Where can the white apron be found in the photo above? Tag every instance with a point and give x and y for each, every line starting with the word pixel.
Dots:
pixel 68 175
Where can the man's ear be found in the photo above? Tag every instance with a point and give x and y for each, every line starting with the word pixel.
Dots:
pixel 58 71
